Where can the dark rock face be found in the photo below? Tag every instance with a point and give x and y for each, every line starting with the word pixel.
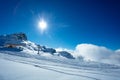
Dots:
pixel 66 54
pixel 11 49
pixel 12 38
pixel 20 36
pixel 49 50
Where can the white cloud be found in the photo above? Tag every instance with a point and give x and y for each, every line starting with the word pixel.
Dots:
pixel 60 49
pixel 117 51
pixel 64 49
pixel 91 52
pixel 97 53
pixel 115 57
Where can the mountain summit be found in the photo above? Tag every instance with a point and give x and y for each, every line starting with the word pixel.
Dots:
pixel 16 38
pixel 19 42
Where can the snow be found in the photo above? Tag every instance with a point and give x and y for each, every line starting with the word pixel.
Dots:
pixel 18 71
pixel 36 67
pixel 23 63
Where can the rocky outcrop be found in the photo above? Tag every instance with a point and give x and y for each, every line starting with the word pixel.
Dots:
pixel 19 42
pixel 65 54
pixel 49 50
pixel 14 39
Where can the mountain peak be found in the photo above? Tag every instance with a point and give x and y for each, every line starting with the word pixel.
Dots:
pixel 12 38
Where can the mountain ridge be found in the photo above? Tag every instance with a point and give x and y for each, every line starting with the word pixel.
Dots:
pixel 20 42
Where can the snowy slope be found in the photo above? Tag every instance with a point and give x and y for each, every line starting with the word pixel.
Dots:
pixel 19 61
pixel 19 42
pixel 15 67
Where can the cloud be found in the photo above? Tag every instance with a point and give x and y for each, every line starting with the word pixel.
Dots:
pixel 114 58
pixel 64 49
pixel 97 53
pixel 91 52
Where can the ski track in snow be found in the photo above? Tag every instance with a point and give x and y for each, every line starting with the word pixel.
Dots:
pixel 50 68
pixel 44 67
pixel 58 67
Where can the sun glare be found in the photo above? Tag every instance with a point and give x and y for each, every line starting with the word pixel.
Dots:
pixel 42 25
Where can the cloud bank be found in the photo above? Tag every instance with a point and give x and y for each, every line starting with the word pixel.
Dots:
pixel 91 52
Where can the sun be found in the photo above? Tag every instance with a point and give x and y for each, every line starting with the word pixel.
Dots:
pixel 42 25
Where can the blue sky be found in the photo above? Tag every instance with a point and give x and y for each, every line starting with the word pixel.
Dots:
pixel 70 22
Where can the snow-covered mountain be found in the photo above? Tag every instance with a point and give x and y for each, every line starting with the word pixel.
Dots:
pixel 19 60
pixel 19 42
pixel 16 38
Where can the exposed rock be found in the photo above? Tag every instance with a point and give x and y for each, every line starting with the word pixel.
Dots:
pixel 19 42
pixel 14 39
pixel 65 54
pixel 49 50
